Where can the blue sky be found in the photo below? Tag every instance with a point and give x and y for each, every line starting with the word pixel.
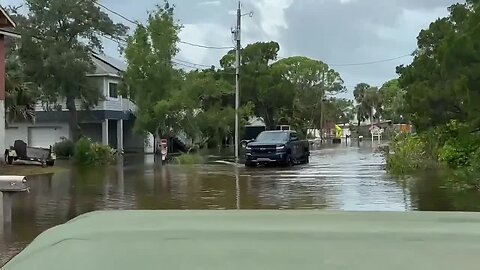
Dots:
pixel 334 31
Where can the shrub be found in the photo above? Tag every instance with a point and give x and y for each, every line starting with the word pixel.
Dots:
pixel 454 145
pixel 408 154
pixel 467 178
pixel 459 145
pixel 88 153
pixel 456 154
pixel 65 148
pixel 189 159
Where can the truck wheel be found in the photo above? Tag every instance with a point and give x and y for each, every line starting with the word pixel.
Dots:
pixel 50 163
pixel 250 164
pixel 10 160
pixel 288 161
pixel 307 160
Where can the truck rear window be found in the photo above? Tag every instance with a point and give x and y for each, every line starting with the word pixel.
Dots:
pixel 272 137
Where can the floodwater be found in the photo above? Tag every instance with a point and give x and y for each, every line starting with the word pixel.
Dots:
pixel 347 178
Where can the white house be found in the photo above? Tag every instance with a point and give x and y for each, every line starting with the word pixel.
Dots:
pixel 110 122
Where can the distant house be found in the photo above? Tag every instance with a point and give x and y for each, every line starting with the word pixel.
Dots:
pixel 110 122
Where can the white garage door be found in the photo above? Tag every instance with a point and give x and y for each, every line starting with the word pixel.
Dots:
pixel 44 136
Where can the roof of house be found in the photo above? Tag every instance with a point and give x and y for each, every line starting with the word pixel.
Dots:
pixel 5 20
pixel 9 33
pixel 256 122
pixel 106 65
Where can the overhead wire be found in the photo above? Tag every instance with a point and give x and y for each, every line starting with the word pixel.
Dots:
pixel 121 41
pixel 184 63
pixel 372 62
pixel 362 63
pixel 118 40
pixel 175 61
pixel 195 65
pixel 138 24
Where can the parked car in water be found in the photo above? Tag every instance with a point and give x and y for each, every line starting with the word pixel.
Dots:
pixel 20 151
pixel 277 147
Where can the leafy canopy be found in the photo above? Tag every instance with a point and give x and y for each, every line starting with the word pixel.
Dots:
pixel 58 37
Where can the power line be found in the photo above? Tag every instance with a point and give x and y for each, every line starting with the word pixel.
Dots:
pixel 181 62
pixel 371 62
pixel 192 65
pixel 114 12
pixel 195 64
pixel 180 41
pixel 119 41
pixel 362 63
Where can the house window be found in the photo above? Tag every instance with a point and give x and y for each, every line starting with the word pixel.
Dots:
pixel 113 90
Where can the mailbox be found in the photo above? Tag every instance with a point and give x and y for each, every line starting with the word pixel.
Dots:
pixel 10 185
pixel 13 183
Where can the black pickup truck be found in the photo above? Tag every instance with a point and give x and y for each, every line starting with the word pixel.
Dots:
pixel 278 147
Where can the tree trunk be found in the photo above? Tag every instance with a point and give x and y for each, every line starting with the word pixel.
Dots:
pixel 158 153
pixel 269 124
pixel 158 139
pixel 75 131
pixel 268 118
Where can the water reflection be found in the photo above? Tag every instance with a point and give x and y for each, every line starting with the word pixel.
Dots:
pixel 338 178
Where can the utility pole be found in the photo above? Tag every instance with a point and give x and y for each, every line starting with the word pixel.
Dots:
pixel 322 104
pixel 237 84
pixel 321 120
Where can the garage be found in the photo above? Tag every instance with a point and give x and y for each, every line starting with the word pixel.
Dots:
pixel 45 136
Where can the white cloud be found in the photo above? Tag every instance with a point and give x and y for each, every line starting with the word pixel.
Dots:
pixel 272 16
pixel 202 33
pixel 210 3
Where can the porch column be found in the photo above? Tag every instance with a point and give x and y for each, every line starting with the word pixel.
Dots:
pixel 105 132
pixel 2 95
pixel 120 136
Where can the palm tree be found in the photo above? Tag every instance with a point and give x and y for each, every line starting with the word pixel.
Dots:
pixel 21 96
pixel 368 99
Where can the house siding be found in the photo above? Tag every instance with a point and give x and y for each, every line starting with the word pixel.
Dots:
pixel 112 103
pixel 52 120
pixel 23 131
pixel 61 104
pixel 119 104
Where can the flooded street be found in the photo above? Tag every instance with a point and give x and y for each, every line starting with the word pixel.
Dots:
pixel 339 178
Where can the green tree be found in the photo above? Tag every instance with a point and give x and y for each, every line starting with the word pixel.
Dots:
pixel 58 37
pixel 21 96
pixel 208 115
pixel 262 84
pixel 339 110
pixel 369 102
pixel 442 83
pixel 151 81
pixel 393 101
pixel 312 80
